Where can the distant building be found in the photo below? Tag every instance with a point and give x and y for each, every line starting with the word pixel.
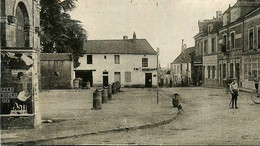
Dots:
pixel 57 71
pixel 210 50
pixel 182 67
pixel 132 62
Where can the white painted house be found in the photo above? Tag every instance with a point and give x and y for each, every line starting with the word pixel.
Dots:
pixel 132 62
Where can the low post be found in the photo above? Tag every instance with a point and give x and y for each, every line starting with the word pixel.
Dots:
pixel 109 92
pixel 88 85
pixel 114 88
pixel 97 98
pixel 104 95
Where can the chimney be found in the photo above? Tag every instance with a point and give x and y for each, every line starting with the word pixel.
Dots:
pixel 182 45
pixel 134 37
pixel 125 37
pixel 219 14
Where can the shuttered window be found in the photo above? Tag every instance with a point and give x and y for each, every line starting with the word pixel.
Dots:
pixel 127 77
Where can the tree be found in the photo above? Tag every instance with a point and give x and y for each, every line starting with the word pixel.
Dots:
pixel 61 33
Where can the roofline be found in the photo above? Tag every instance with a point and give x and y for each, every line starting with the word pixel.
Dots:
pixel 124 53
pixel 112 40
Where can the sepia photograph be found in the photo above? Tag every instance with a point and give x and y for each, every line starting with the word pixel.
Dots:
pixel 130 72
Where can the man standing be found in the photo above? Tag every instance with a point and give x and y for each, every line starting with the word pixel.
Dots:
pixel 234 92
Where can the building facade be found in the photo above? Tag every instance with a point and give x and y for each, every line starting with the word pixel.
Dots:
pixel 230 48
pixel 132 62
pixel 20 47
pixel 182 68
pixel 58 71
pixel 251 52
pixel 210 50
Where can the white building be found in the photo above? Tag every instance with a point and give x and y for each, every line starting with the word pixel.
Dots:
pixel 181 67
pixel 132 62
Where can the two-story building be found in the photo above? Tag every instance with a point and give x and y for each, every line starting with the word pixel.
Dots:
pixel 232 40
pixel 132 62
pixel 251 52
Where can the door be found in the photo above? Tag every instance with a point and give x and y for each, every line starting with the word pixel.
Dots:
pixel 117 77
pixel 85 76
pixel 105 81
pixel 148 79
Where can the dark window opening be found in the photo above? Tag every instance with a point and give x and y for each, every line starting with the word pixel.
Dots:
pixel 251 39
pixel 232 40
pixel 89 59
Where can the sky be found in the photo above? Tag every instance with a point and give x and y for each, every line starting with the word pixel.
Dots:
pixel 164 23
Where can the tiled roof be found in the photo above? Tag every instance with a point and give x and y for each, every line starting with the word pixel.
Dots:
pixel 55 56
pixel 140 46
pixel 184 57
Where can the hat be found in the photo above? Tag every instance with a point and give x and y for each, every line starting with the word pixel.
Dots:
pixel 176 94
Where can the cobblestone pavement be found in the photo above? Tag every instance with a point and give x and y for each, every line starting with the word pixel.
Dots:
pixel 206 119
pixel 72 116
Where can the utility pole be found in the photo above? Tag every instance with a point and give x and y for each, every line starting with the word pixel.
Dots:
pixel 157 90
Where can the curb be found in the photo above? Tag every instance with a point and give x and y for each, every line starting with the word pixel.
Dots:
pixel 120 129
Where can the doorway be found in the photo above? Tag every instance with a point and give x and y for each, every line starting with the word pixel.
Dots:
pixel 85 75
pixel 148 79
pixel 105 78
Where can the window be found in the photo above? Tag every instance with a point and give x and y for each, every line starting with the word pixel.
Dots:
pixel 117 59
pixel 224 47
pixel 89 59
pixel 181 67
pixel 127 77
pixel 232 40
pixel 105 57
pixel 208 72
pixel 144 62
pixel 251 39
pixel 206 47
pixel 258 36
pixel 231 70
pixel 224 71
pixel 213 72
pixel 213 45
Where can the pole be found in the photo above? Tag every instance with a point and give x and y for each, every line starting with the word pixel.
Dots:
pixel 157 91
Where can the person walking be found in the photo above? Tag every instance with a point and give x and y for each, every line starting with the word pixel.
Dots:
pixel 234 89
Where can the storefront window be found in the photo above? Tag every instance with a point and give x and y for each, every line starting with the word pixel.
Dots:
pixel 16 83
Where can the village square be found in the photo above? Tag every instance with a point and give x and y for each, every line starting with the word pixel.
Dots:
pixel 130 72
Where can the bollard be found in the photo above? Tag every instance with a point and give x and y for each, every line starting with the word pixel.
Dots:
pixel 97 98
pixel 88 85
pixel 117 87
pixel 109 92
pixel 114 88
pixel 104 95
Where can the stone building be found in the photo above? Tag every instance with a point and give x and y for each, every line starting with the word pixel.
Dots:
pixel 58 71
pixel 132 62
pixel 251 52
pixel 231 40
pixel 20 47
